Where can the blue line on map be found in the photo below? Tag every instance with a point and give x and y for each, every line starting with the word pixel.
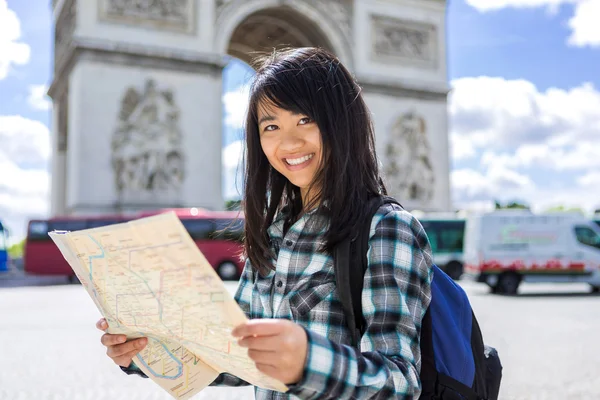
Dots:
pixel 90 259
pixel 178 362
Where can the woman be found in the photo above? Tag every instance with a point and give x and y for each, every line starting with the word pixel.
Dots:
pixel 311 169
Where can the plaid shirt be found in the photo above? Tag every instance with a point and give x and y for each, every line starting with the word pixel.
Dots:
pixel 302 288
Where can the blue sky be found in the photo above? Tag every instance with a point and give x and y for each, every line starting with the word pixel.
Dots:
pixel 525 76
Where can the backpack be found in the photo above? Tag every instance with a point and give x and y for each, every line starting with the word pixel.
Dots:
pixel 455 363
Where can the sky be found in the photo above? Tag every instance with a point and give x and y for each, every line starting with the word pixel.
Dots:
pixel 523 109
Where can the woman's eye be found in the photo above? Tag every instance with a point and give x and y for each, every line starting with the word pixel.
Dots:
pixel 269 128
pixel 305 121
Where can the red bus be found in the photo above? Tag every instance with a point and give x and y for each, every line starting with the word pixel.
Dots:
pixel 218 235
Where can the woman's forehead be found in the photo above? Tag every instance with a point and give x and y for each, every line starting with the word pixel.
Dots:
pixel 267 107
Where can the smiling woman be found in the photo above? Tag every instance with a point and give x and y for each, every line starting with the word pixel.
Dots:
pixel 292 144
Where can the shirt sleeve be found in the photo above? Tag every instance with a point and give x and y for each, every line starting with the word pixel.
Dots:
pixel 396 294
pixel 243 296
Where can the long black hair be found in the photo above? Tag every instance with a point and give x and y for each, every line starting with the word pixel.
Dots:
pixel 312 82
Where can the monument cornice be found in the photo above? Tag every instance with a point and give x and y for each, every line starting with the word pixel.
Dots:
pixel 394 87
pixel 126 54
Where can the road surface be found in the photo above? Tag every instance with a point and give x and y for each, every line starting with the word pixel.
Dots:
pixel 50 350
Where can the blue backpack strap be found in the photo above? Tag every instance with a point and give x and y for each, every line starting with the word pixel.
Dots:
pixel 350 264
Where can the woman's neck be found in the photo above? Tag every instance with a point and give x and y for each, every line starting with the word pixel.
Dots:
pixel 310 199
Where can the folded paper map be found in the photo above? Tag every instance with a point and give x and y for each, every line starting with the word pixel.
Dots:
pixel 149 279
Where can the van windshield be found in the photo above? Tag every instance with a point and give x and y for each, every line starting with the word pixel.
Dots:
pixel 588 236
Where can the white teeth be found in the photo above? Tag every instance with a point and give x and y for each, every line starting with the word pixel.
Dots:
pixel 296 161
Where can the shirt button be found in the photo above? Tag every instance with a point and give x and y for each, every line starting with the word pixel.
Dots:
pixel 289 243
pixel 279 283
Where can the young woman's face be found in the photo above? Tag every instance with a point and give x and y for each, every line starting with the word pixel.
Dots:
pixel 292 144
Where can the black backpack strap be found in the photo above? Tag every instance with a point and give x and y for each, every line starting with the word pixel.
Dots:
pixel 461 391
pixel 350 263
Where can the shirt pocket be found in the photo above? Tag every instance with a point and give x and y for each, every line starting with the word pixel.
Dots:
pixel 314 298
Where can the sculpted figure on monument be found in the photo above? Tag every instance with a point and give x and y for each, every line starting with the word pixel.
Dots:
pixel 408 168
pixel 146 146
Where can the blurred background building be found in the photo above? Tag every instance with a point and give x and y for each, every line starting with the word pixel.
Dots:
pixel 137 93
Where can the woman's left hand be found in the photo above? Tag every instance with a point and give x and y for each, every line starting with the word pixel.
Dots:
pixel 277 346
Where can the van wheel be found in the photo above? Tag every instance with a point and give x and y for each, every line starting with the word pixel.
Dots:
pixel 508 283
pixel 595 289
pixel 228 271
pixel 454 269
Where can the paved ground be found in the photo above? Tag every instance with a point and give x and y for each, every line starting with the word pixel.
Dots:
pixel 50 350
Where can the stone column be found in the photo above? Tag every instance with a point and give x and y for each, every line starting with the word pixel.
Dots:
pixel 142 86
pixel 400 61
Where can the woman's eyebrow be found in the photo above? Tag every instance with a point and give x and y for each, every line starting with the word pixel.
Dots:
pixel 266 118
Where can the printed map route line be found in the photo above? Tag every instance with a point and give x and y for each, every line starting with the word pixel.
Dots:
pixel 130 251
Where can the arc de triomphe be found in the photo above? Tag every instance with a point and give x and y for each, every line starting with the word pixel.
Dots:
pixel 138 84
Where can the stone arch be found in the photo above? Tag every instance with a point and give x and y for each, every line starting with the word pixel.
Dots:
pixel 246 27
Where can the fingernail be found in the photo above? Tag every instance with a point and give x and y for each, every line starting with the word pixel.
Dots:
pixel 103 325
pixel 122 339
pixel 142 342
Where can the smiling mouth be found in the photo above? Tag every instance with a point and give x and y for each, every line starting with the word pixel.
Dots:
pixel 300 160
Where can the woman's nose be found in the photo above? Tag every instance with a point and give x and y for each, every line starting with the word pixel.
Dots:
pixel 291 141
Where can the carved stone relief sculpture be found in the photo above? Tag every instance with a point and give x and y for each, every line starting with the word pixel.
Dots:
pixel 147 156
pixel 413 42
pixel 408 169
pixel 177 15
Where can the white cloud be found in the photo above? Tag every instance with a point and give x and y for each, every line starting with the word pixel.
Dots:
pixel 509 129
pixel 579 156
pixel 477 190
pixel 38 98
pixel 24 177
pixel 557 128
pixel 590 180
pixel 585 30
pixel 233 172
pixel 11 50
pixel 491 5
pixel 461 147
pixel 469 185
pixel 584 24
pixel 24 141
pixel 236 106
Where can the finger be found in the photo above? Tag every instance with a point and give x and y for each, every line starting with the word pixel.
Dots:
pixel 263 357
pixel 111 340
pixel 260 327
pixel 264 343
pixel 269 370
pixel 122 349
pixel 102 324
pixel 125 359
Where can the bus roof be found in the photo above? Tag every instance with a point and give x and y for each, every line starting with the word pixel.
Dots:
pixel 81 217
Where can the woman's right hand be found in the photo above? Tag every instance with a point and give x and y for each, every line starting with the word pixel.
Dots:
pixel 118 348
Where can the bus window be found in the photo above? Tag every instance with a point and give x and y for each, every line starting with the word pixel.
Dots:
pixel 445 236
pixel 67 225
pixel 452 237
pixel 587 236
pixel 199 229
pixel 38 230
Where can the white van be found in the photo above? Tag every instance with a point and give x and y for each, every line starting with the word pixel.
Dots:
pixel 504 248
